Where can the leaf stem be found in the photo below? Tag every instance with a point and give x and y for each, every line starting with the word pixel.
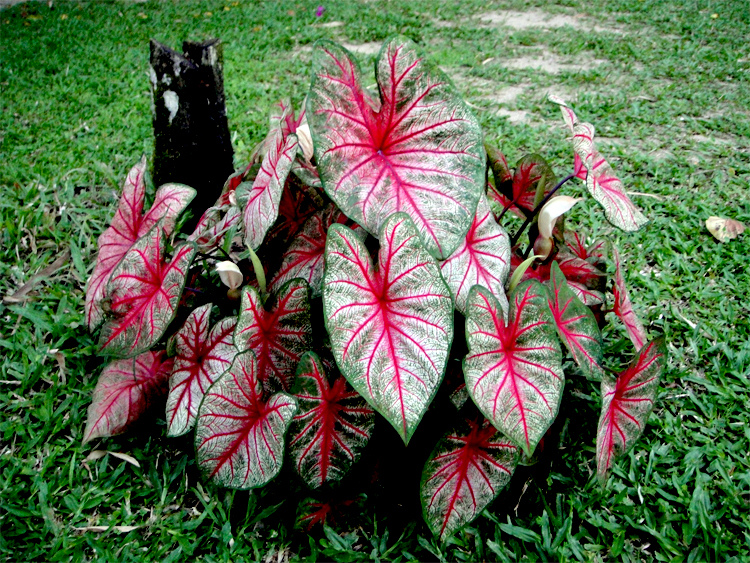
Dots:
pixel 258 267
pixel 530 218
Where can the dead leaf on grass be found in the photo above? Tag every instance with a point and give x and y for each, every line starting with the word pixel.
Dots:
pixel 21 295
pixel 724 229
pixel 98 454
pixel 105 528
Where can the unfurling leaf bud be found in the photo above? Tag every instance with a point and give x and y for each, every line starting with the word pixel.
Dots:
pixel 304 138
pixel 230 274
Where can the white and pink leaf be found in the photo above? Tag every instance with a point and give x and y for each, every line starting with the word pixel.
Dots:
pixel 262 207
pixel 304 256
pixel 514 369
pixel 202 354
pixel 239 436
pixel 390 327
pixel 627 402
pixel 483 258
pixel 278 332
pixel 331 427
pixel 623 307
pixel 128 225
pixel 466 471
pixel 417 149
pixel 575 324
pixel 126 388
pixel 143 294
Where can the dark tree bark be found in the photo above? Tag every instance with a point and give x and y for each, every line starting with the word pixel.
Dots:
pixel 191 133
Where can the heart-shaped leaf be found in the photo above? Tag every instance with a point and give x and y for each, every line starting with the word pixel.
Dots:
pixel 530 171
pixel 201 357
pixel 626 404
pixel 331 427
pixel 514 370
pixel 126 388
pixel 278 333
pixel 466 471
pixel 128 225
pixel 575 323
pixel 483 258
pixel 264 196
pixel 391 328
pixel 143 295
pixel 623 307
pixel 417 149
pixel 304 257
pixel 239 437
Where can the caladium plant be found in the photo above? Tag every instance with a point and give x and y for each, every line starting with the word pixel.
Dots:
pixel 364 230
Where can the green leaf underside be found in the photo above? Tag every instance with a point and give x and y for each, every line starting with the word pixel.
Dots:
pixel 575 323
pixel 466 471
pixel 126 388
pixel 278 336
pixel 626 404
pixel 391 328
pixel 482 259
pixel 201 357
pixel 514 370
pixel 239 437
pixel 143 295
pixel 417 149
pixel 332 426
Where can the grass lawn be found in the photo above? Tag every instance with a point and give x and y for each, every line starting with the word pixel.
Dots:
pixel 667 85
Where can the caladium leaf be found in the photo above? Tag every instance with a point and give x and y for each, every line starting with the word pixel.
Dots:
pixel 298 204
pixel 391 328
pixel 214 226
pixel 483 258
pixel 418 149
pixel 601 182
pixel 143 294
pixel 239 437
pixel 578 270
pixel 128 225
pixel 579 273
pixel 304 257
pixel 514 369
pixel 279 332
pixel 588 297
pixel 623 307
pixel 626 404
pixel 331 427
pixel 575 323
pixel 467 470
pixel 607 189
pixel 262 206
pixel 576 244
pixel 201 357
pixel 530 171
pixel 126 388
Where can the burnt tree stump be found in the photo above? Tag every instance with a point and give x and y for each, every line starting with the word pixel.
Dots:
pixel 192 143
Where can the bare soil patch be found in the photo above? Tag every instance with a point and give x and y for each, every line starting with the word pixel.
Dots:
pixel 551 63
pixel 536 19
